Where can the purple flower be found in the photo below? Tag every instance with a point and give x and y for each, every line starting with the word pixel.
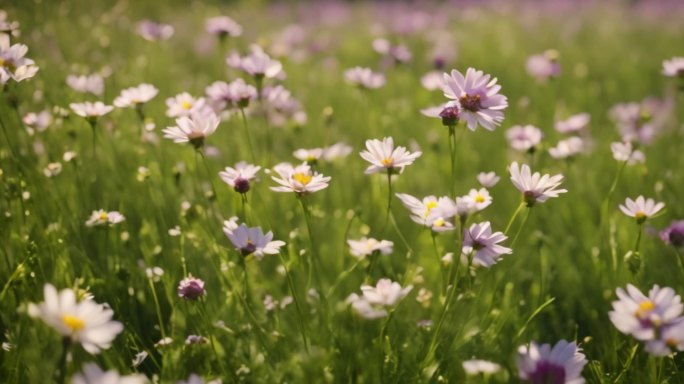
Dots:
pixel 191 288
pixel 478 97
pixel 674 234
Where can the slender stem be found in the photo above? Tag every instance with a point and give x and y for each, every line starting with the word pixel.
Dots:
pixel 381 344
pixel 522 225
pixel 439 262
pixel 209 174
pixel 678 256
pixel 158 308
pixel 452 153
pixel 210 333
pixel 249 138
pixel 60 374
pixel 302 319
pixel 389 197
pixel 342 276
pixel 628 363
pixel 638 239
pixel 93 127
pixel 244 206
pixel 310 260
pixel 515 214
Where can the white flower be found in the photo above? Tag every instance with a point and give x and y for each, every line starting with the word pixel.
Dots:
pixel 230 225
pixel 13 64
pixel 535 187
pixel 102 217
pixel 240 177
pixel 487 179
pixel 364 77
pixel 260 65
pixel 367 246
pixel 573 123
pixel 432 80
pixel 643 316
pixel 139 358
pixel 92 374
pixel 624 151
pixel 39 121
pixel 234 94
pixel 374 300
pixel 478 198
pixel 85 322
pixel 476 367
pixel 567 148
pixel 673 67
pixel 383 156
pixel 671 336
pixel 480 240
pixel 336 151
pixel 431 211
pixel 300 179
pixel 311 156
pixel 194 128
pixel 223 26
pixel 524 138
pixel 252 241
pixel 185 104
pixel 478 97
pixel 52 169
pixel 86 83
pixel 91 111
pixel 135 96
pixel 543 364
pixel 641 208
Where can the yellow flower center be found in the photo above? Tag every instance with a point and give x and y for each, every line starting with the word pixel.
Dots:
pixel 186 105
pixel 302 178
pixel 73 322
pixel 387 162
pixel 644 308
pixel 439 223
pixel 103 216
pixel 479 199
pixel 7 64
pixel 640 215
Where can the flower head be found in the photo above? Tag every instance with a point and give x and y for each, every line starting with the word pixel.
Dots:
pixel 674 234
pixel 674 67
pixel 91 111
pixel 374 301
pixel 476 367
pixel 193 129
pixel 86 83
pixel 574 123
pixel 185 104
pixel 644 316
pixel 102 218
pixel 524 138
pixel 191 288
pixel 562 363
pixel 535 187
pixel 301 179
pixel 364 78
pixel 367 246
pixel 483 244
pixel 153 31
pixel 223 26
pixel 624 151
pixel 240 177
pixel 13 64
pixel 135 96
pixel 641 208
pixel 478 97
pixel 543 66
pixel 384 156
pixel 85 322
pixel 567 148
pixel 252 241
pixel 450 113
pixel 431 211
pixel 487 179
pixel 92 374
pixel 236 94
pixel 260 65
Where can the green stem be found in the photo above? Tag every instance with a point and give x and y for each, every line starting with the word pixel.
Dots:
pixel 512 219
pixel 522 225
pixel 452 153
pixel 302 319
pixel 628 363
pixel 249 137
pixel 60 374
pixel 158 308
pixel 209 174
pixel 439 262
pixel 638 239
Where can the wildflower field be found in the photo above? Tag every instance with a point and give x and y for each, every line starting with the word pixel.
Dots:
pixel 361 192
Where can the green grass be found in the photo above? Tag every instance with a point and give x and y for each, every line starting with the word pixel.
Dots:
pixel 557 284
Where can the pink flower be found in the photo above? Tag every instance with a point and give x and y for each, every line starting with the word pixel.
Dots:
pixel 478 96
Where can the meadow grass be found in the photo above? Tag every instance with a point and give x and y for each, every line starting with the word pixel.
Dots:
pixel 558 283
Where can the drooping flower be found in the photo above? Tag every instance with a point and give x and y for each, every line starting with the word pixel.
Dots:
pixel 193 129
pixel 543 66
pixel 367 246
pixel 574 123
pixel 252 241
pixel 569 147
pixel 641 208
pixel 102 217
pixel 301 179
pixel 364 78
pixel 93 374
pixel 562 363
pixel 374 301
pixel 310 156
pixel 487 179
pixel 524 138
pixel 535 187
pixel 13 64
pixel 478 97
pixel 643 317
pixel 674 67
pixel 240 177
pixel 85 322
pixel 153 31
pixel 191 288
pixel 674 234
pixel 86 83
pixel 384 156
pixel 223 26
pixel 136 96
pixel 479 241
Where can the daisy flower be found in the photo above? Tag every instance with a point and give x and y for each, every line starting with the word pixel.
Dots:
pixel 230 225
pixel 374 301
pixel 191 288
pixel 85 322
pixel 184 104
pixel 193 129
pixel 336 151
pixel 13 64
pixel 153 31
pixel 364 78
pixel 674 67
pixel 136 96
pixel 478 97
pixel 670 337
pixel 483 244
pixel 641 208
pixel 234 94
pixel 39 121
pixel 91 111
pixel 223 26
pixel 487 179
pixel 101 217
pixel 562 363
pixel 477 367
pixel 367 246
pixel 543 66
pixel 479 198
pixel 300 179
pixel 8 27
pixel 260 65
pixel 624 151
pixel 383 156
pixel 252 241
pixel 524 138
pixel 644 316
pixel 92 374
pixel 674 234
pixel 240 177
pixel 535 187
pixel 86 83
pixel 574 123
pixel 569 147
pixel 311 156
pixel 430 211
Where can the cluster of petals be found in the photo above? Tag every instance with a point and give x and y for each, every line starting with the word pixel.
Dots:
pixel 674 67
pixel 625 151
pixel 13 63
pixel 86 83
pixel 135 96
pixel 383 156
pixel 300 179
pixel 103 218
pixel 374 301
pixel 93 374
pixel 223 26
pixel 367 246
pixel 240 177
pixel 252 241
pixel 194 128
pixel 574 123
pixel 482 244
pixel 569 147
pixel 562 363
pixel 641 208
pixel 91 111
pixel 535 187
pixel 543 66
pixel 184 104
pixel 364 77
pixel 524 137
pixel 478 97
pixel 153 31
